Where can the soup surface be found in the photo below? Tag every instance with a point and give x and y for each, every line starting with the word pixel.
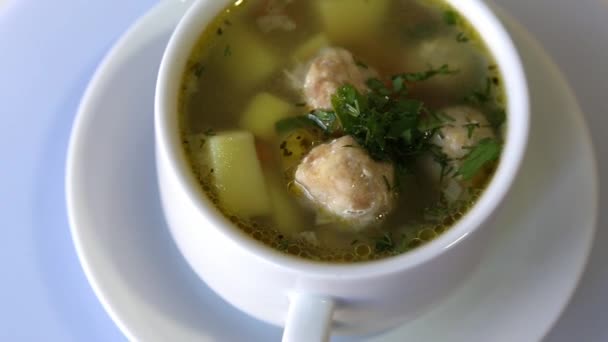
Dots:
pixel 342 130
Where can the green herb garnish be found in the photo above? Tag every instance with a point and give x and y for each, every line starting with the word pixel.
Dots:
pixel 484 98
pixel 425 75
pixel 361 64
pixel 198 69
pixel 496 117
pixel 386 122
pixel 326 120
pixel 291 123
pixel 450 17
pixel 433 121
pixel 461 37
pixel 480 96
pixel 393 127
pixel 384 243
pixel 444 162
pixel 378 87
pixel 471 128
pixel 283 244
pixel 227 51
pixel 486 151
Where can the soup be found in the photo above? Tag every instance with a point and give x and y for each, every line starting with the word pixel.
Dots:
pixel 342 130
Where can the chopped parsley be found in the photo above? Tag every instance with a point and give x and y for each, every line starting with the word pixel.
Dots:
pixel 391 126
pixel 423 75
pixel 462 38
pixel 361 64
pixel 450 17
pixel 442 159
pixel 282 244
pixel 444 209
pixel 480 96
pixel 384 243
pixel 326 120
pixel 496 116
pixel 484 98
pixel 198 69
pixel 486 151
pixel 227 51
pixel 291 123
pixel 386 122
pixel 471 128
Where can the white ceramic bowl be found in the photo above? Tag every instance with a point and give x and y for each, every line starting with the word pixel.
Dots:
pixel 284 290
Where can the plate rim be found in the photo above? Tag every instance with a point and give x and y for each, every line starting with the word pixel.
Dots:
pixel 594 167
pixel 77 126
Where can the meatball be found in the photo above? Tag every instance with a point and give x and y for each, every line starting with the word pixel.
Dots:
pixel 447 50
pixel 455 139
pixel 332 68
pixel 468 128
pixel 341 179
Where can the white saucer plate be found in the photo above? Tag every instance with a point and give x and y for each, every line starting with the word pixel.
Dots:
pixel 526 278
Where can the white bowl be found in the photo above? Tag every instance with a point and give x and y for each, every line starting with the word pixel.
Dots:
pixel 276 288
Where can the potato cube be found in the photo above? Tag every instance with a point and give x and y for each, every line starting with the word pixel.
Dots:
pixel 346 21
pixel 246 58
pixel 237 174
pixel 262 113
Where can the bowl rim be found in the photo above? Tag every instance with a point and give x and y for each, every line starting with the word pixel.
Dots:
pixel 168 144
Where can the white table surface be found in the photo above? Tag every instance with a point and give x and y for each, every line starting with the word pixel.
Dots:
pixel 50 48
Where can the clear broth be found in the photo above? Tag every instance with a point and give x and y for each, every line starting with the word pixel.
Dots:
pixel 210 99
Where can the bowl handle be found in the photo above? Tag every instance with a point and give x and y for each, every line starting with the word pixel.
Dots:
pixel 309 318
